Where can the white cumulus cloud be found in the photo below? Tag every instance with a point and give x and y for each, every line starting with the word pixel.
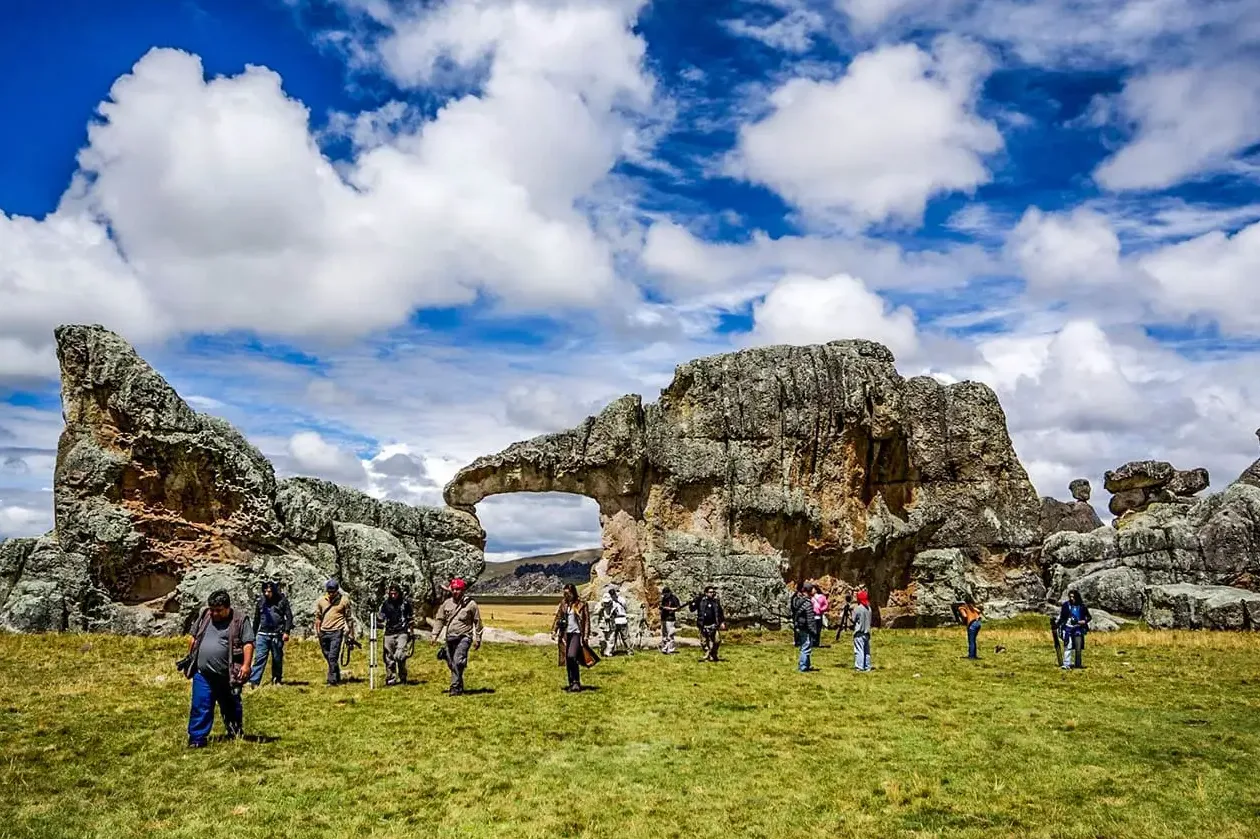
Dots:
pixel 814 310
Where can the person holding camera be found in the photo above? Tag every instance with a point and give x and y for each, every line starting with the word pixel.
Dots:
pixel 220 655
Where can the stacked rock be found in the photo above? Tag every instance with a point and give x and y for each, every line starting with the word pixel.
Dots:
pixel 1076 516
pixel 1141 483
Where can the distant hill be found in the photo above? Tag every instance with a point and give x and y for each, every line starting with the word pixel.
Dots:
pixel 532 573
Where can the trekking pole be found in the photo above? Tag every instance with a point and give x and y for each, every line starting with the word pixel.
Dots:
pixel 372 654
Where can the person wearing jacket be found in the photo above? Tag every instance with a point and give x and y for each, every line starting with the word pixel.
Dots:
pixel 801 614
pixel 862 632
pixel 397 622
pixel 1074 621
pixel 334 623
pixel 670 604
pixel 460 616
pixel 970 614
pixel 820 604
pixel 571 629
pixel 711 620
pixel 273 621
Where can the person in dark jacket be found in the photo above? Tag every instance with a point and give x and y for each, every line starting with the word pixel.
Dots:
pixel 572 630
pixel 1074 621
pixel 801 615
pixel 711 620
pixel 273 621
pixel 670 604
pixel 397 621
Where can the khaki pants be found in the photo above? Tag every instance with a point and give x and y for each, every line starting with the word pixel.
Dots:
pixel 396 656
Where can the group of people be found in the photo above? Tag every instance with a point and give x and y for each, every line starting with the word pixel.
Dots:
pixel 229 649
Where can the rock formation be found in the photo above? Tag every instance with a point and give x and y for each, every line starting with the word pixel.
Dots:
pixel 1211 542
pixel 792 463
pixel 1137 485
pixel 157 505
pixel 1077 516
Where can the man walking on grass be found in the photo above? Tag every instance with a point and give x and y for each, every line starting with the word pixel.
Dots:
pixel 862 632
pixel 334 624
pixel 220 654
pixel 669 621
pixel 801 615
pixel 711 620
pixel 397 623
pixel 273 621
pixel 461 618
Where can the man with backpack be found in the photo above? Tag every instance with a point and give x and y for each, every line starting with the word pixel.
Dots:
pixel 711 620
pixel 334 623
pixel 220 656
pixel 397 623
pixel 273 621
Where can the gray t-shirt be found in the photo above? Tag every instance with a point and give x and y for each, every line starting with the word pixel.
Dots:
pixel 862 620
pixel 573 625
pixel 213 655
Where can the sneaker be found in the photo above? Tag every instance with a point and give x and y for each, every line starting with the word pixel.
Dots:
pixel 197 744
pixel 391 681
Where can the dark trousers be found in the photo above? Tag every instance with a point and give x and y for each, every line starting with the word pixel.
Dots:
pixel 573 657
pixel 208 691
pixel 457 659
pixel 711 639
pixel 816 635
pixel 330 644
pixel 973 629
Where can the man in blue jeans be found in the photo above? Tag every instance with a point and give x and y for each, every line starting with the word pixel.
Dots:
pixel 222 651
pixel 801 613
pixel 273 621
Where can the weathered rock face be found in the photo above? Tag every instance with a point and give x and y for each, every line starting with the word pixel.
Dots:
pixel 1077 516
pixel 1139 484
pixel 1185 606
pixel 794 463
pixel 158 505
pixel 1213 542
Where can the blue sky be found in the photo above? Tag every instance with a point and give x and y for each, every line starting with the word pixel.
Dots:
pixel 386 236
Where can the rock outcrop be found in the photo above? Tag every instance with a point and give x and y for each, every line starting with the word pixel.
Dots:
pixel 157 505
pixel 1211 542
pixel 1137 485
pixel 792 463
pixel 1077 516
pixel 1185 606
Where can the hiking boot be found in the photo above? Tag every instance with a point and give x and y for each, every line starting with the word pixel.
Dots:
pixel 197 744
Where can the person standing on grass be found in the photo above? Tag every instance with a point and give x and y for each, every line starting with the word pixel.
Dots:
pixel 273 621
pixel 862 632
pixel 571 629
pixel 1074 621
pixel 845 615
pixel 670 605
pixel 801 614
pixel 970 614
pixel 397 621
pixel 711 620
pixel 820 603
pixel 221 653
pixel 620 623
pixel 461 618
pixel 334 623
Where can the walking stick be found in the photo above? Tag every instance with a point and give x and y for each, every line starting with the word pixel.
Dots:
pixel 372 655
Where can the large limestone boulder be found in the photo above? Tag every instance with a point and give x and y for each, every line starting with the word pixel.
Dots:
pixel 1212 542
pixel 145 487
pixel 1077 516
pixel 1141 483
pixel 1185 606
pixel 157 506
pixel 786 463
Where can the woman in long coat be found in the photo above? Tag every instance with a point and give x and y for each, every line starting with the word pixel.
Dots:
pixel 572 629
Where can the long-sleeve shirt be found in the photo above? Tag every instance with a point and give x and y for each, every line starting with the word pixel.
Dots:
pixel 459 619
pixel 395 617
pixel 332 617
pixel 862 620
pixel 273 617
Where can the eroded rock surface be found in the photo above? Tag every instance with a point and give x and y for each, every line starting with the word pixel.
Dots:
pixel 1185 606
pixel 1077 516
pixel 793 463
pixel 157 505
pixel 1139 484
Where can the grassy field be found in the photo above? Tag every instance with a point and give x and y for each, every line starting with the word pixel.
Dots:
pixel 1160 736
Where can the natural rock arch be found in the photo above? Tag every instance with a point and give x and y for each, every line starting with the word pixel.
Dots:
pixel 785 463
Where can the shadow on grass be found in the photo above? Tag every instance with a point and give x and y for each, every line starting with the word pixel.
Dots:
pixel 262 739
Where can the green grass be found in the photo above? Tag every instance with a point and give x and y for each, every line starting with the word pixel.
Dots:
pixel 1160 736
